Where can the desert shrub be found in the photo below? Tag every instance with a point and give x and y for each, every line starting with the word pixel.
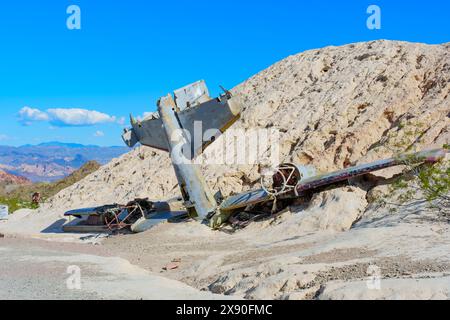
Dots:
pixel 428 182
pixel 17 204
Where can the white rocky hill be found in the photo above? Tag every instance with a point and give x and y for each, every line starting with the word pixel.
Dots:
pixel 333 106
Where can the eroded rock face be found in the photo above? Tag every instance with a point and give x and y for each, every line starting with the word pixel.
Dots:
pixel 333 107
pixel 7 178
pixel 333 210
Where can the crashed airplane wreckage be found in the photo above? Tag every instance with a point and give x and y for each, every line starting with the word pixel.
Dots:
pixel 172 126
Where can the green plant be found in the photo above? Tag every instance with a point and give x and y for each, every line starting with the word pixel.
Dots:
pixel 434 181
pixel 429 182
pixel 15 204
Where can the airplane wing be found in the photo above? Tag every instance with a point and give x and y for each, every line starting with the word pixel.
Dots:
pixel 259 196
pixel 208 120
pixel 204 118
pixel 146 223
pixel 345 174
pixel 149 132
pixel 81 212
pixel 85 212
pixel 245 199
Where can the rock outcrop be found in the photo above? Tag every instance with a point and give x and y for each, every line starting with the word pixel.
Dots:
pixel 7 178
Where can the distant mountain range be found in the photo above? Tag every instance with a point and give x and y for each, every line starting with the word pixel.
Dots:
pixel 61 144
pixel 52 161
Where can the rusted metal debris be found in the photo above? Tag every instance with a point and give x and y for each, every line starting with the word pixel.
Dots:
pixel 116 217
pixel 175 264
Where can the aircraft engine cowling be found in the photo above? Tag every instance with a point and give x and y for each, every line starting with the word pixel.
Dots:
pixel 285 178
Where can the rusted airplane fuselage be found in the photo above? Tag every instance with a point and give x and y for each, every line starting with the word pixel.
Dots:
pixel 173 129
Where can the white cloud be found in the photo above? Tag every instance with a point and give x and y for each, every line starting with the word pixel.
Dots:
pixel 99 134
pixel 78 117
pixel 60 117
pixel 27 115
pixel 3 137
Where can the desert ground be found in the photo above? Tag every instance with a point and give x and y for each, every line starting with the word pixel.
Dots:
pixel 36 269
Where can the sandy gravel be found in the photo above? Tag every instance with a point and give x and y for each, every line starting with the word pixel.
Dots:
pixel 263 263
pixel 33 269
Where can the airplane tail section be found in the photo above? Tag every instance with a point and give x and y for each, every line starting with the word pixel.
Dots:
pixel 187 121
pixel 202 117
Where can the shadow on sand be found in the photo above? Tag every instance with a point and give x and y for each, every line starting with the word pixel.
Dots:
pixel 55 227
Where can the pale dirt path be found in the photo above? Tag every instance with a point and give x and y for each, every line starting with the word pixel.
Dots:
pixel 34 269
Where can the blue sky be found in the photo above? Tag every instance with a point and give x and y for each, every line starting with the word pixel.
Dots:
pixel 128 53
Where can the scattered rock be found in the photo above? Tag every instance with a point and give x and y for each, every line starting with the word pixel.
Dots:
pixel 175 264
pixel 305 294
